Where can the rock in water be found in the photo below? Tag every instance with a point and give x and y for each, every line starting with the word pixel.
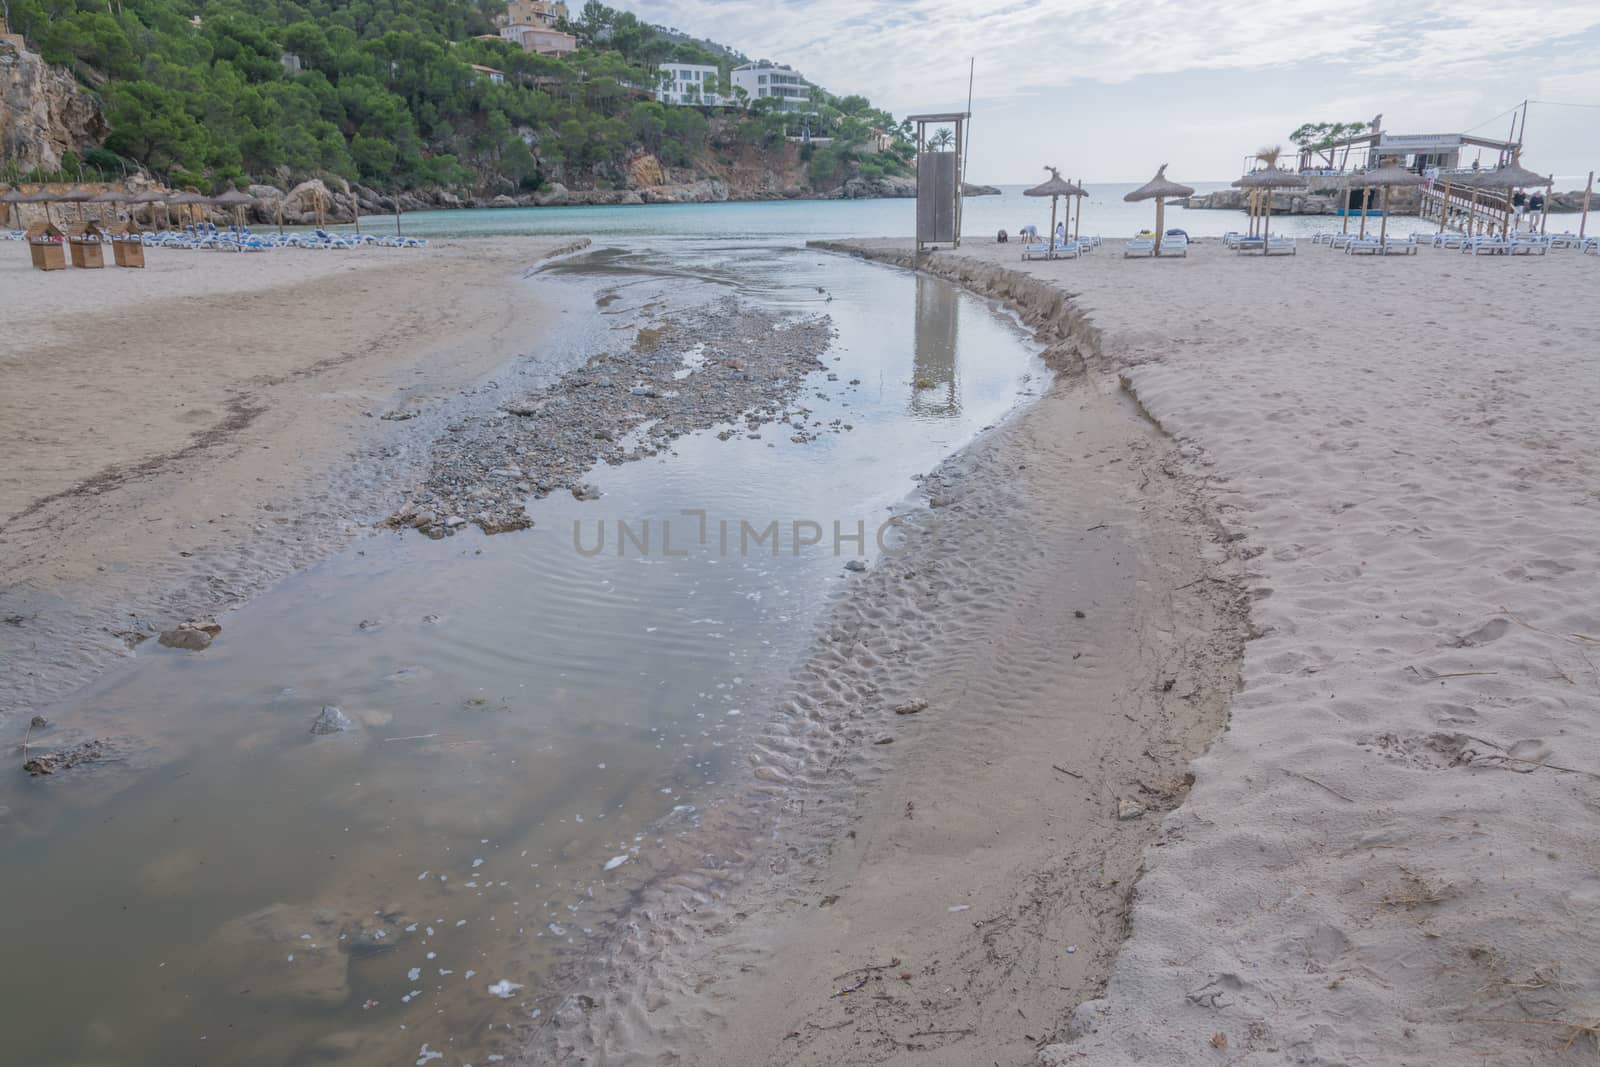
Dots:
pixel 331 721
pixel 85 752
pixel 192 636
pixel 855 565
pixel 911 707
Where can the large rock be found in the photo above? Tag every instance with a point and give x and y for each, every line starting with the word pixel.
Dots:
pixel 705 191
pixel 968 189
pixel 555 196
pixel 302 198
pixel 43 112
pixel 645 172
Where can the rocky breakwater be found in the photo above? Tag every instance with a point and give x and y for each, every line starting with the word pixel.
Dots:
pixel 728 364
pixel 877 188
pixel 43 112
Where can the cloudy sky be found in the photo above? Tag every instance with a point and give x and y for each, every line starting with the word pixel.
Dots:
pixel 1109 89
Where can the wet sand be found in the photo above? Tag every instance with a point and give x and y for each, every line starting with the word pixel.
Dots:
pixel 962 780
pixel 180 436
pixel 1382 474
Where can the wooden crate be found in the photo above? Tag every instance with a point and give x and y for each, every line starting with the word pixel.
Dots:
pixel 85 243
pixel 128 252
pixel 44 246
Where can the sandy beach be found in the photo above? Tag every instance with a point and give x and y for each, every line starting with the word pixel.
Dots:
pixel 181 435
pixel 1357 503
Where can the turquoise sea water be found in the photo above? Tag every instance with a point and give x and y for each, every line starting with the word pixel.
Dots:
pixel 1104 213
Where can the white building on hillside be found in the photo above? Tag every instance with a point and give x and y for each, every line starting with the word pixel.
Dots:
pixel 686 84
pixel 767 79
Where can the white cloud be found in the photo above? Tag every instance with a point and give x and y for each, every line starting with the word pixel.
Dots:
pixel 1438 64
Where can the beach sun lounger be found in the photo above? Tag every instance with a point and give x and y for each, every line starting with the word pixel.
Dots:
pixel 1139 246
pixel 1174 246
pixel 1282 246
pixel 1486 246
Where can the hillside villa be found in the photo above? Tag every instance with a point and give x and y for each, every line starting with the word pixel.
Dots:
pixel 684 84
pixel 766 79
pixel 540 40
pixel 542 13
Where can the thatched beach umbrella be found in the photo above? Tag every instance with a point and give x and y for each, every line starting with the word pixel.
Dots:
pixel 1588 192
pixel 76 195
pixel 12 198
pixel 1391 174
pixel 110 196
pixel 188 199
pixel 1158 189
pixel 236 201
pixel 149 198
pixel 1505 179
pixel 1267 179
pixel 1054 188
pixel 42 195
pixel 1250 206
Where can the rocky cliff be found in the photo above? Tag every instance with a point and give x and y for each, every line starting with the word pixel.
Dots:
pixel 43 113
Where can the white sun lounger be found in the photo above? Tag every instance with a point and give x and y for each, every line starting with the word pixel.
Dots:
pixel 1282 246
pixel 1139 246
pixel 1174 245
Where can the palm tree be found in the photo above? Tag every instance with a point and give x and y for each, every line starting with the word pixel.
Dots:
pixel 942 139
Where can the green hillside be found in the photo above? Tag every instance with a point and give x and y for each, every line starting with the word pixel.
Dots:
pixel 386 94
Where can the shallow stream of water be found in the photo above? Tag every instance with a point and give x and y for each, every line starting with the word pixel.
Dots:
pixel 532 717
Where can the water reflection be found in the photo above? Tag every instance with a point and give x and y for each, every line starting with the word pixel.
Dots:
pixel 531 725
pixel 937 331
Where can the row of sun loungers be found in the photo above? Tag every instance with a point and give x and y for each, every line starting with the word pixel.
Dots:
pixel 1171 245
pixel 241 239
pixel 1069 249
pixel 1272 244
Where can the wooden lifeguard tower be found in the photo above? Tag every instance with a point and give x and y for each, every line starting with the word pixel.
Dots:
pixel 939 174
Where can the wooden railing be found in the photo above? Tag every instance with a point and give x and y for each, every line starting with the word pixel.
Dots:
pixel 1488 211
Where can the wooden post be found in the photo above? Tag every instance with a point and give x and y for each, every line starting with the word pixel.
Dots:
pixel 1544 216
pixel 1383 228
pixel 1588 190
pixel 1366 199
pixel 1077 222
pixel 1444 204
pixel 1266 220
pixel 1161 203
pixel 1346 205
